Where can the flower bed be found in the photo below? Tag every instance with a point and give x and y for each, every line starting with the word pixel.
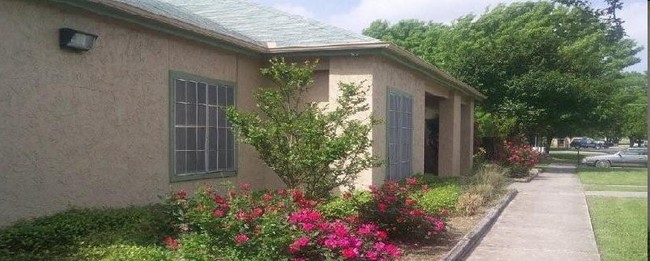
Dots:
pixel 283 224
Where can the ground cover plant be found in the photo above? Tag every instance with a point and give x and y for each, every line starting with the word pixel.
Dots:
pixel 134 233
pixel 620 226
pixel 614 179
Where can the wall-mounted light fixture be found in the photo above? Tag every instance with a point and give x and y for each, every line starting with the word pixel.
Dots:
pixel 76 40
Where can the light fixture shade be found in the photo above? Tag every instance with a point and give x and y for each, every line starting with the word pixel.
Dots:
pixel 76 40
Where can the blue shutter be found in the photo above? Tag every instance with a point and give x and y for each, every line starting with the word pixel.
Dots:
pixel 400 136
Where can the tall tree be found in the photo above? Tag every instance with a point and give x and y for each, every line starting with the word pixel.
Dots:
pixel 545 66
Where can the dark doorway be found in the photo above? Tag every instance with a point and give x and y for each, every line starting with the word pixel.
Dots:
pixel 431 130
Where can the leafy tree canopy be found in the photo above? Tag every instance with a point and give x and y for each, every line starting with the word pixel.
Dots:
pixel 547 67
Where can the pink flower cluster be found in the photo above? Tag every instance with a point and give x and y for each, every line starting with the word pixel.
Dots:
pixel 243 221
pixel 339 239
pixel 396 212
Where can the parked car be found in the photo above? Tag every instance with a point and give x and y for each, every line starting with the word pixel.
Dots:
pixel 632 157
pixel 580 142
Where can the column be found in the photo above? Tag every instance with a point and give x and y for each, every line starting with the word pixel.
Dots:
pixel 450 136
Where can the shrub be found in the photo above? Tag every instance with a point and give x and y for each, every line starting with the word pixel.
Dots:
pixel 492 175
pixel 281 225
pixel 469 202
pixel 123 252
pixel 437 199
pixel 349 204
pixel 521 158
pixel 485 184
pixel 309 147
pixel 393 210
pixel 61 235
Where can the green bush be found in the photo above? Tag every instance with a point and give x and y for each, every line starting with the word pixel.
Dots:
pixel 121 252
pixel 438 198
pixel 346 205
pixel 310 147
pixel 60 235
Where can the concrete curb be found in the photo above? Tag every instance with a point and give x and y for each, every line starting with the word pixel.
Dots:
pixel 466 244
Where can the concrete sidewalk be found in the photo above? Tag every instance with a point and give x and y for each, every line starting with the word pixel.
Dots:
pixel 547 220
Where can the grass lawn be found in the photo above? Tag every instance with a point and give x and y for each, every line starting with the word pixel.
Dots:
pixel 620 225
pixel 614 179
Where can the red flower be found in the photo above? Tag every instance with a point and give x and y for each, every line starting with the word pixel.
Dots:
pixel 382 235
pixel 411 181
pixel 241 238
pixel 409 202
pixel 245 186
pixel 267 197
pixel 350 253
pixel 171 242
pixel 181 194
pixel 297 195
pixel 382 207
pixel 258 212
pixel 282 192
pixel 218 213
pixel 219 200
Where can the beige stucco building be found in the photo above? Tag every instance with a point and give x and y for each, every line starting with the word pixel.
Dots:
pixel 140 113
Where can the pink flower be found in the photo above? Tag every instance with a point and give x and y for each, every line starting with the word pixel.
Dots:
pixel 307 227
pixel 267 197
pixel 297 244
pixel 241 238
pixel 366 229
pixel 409 202
pixel 350 253
pixel 392 250
pixel 219 200
pixel 245 186
pixel 372 255
pixel 282 192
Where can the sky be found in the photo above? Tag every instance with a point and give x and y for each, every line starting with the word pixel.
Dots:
pixel 355 15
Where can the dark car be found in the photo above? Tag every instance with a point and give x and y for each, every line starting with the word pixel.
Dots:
pixel 580 143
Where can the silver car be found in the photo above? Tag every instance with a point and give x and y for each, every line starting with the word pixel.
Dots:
pixel 632 157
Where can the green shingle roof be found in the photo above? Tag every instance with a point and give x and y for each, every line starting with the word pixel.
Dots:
pixel 250 22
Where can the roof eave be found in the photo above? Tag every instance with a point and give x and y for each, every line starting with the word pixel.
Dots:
pixel 388 50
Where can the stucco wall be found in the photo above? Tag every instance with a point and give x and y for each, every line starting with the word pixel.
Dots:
pixel 358 70
pixel 91 129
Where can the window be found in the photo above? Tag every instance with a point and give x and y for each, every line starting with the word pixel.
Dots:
pixel 400 135
pixel 203 143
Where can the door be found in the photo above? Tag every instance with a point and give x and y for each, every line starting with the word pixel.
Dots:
pixel 400 135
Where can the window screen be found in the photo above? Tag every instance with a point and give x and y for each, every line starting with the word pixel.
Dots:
pixel 400 135
pixel 203 136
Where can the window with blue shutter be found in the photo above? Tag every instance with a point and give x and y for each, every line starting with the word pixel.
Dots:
pixel 400 135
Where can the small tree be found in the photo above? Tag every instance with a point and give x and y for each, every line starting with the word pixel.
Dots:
pixel 307 146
